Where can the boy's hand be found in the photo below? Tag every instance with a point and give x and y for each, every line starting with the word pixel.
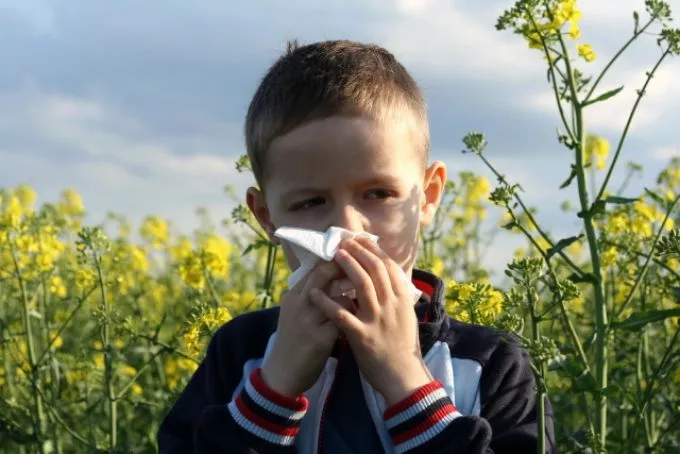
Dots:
pixel 383 333
pixel 305 337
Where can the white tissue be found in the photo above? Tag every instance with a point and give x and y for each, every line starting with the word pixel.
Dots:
pixel 310 246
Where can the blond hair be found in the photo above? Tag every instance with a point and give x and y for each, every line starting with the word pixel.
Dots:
pixel 328 78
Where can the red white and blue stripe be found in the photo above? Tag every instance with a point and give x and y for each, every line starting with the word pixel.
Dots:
pixel 420 417
pixel 267 414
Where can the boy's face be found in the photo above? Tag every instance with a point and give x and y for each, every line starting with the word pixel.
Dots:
pixel 351 173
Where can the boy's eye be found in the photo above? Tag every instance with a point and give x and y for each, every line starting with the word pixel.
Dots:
pixel 306 204
pixel 377 194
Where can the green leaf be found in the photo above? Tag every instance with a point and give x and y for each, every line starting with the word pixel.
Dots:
pixel 657 198
pixel 620 200
pixel 510 225
pixel 569 179
pixel 604 96
pixel 35 314
pixel 256 245
pixel 585 383
pixel 582 278
pixel 676 293
pixel 598 208
pixel 640 319
pixel 561 244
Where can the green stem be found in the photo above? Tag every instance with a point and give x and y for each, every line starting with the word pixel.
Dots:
pixel 647 368
pixel 54 372
pixel 566 321
pixel 601 323
pixel 649 391
pixel 639 373
pixel 108 359
pixel 65 324
pixel 166 347
pixel 269 274
pixel 70 430
pixel 553 79
pixel 141 370
pixel 540 376
pixel 39 423
pixel 4 348
pixel 211 288
pixel 531 218
pixel 624 134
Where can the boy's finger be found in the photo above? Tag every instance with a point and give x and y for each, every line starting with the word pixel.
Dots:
pixel 336 313
pixel 363 284
pixel 393 269
pixel 373 247
pixel 374 264
pixel 321 276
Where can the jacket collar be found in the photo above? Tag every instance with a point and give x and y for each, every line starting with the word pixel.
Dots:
pixel 432 317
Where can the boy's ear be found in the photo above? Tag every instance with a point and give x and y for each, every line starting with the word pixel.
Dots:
pixel 258 206
pixel 433 189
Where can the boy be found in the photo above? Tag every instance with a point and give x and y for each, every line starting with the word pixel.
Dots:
pixel 337 135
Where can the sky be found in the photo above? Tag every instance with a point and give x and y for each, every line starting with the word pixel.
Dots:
pixel 139 105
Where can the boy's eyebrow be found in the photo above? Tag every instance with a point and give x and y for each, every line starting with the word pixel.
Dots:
pixel 373 180
pixel 288 195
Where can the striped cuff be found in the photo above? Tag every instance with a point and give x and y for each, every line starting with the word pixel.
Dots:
pixel 266 414
pixel 420 417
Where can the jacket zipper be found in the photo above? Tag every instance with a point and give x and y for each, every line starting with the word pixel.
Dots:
pixel 341 354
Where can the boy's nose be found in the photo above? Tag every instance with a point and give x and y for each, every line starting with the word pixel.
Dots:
pixel 349 218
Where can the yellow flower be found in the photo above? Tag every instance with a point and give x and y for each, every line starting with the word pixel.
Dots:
pixel 84 278
pixel 574 31
pixel 618 223
pixel 215 318
pixel 569 11
pixel 216 252
pixel 438 266
pixel 155 230
pixel 138 258
pixel 58 341
pixel 136 389
pixel 27 196
pixel 191 272
pixel 542 243
pixel 57 286
pixel 609 256
pixel 13 213
pixel 577 304
pixel 191 340
pixel 182 249
pixel 586 52
pixel 71 203
pixel 98 359
pixel 128 370
pixel 534 40
pixel 478 190
pixel 596 148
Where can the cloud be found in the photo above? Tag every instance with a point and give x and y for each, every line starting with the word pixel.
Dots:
pixel 37 15
pixel 140 105
pixel 109 159
pixel 446 40
pixel 657 110
pixel 667 153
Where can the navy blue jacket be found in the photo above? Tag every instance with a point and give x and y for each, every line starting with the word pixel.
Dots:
pixel 482 399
